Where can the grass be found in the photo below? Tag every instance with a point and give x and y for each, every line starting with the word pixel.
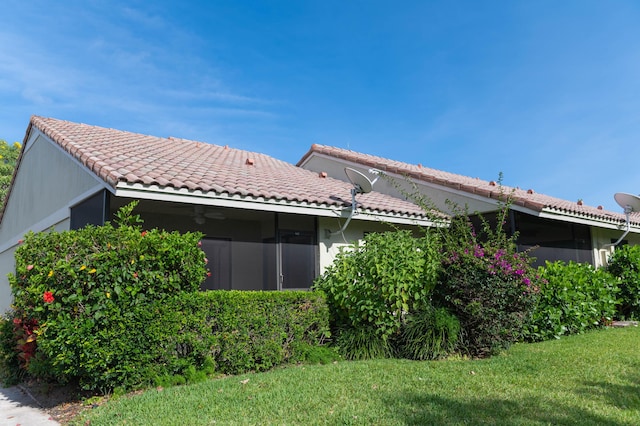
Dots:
pixel 590 379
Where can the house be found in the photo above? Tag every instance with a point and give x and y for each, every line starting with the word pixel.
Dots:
pixel 268 224
pixel 557 229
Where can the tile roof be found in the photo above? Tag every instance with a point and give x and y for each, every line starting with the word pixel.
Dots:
pixel 525 198
pixel 117 156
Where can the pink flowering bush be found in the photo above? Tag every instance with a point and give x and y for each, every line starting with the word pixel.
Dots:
pixel 488 285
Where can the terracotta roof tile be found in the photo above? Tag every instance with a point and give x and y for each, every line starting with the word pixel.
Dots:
pixel 525 198
pixel 118 156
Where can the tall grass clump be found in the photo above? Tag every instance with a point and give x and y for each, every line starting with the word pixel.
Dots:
pixel 430 333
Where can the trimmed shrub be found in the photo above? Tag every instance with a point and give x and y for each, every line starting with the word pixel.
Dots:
pixel 75 292
pixel 176 339
pixel 574 297
pixel 430 333
pixel 239 330
pixel 372 284
pixel 489 286
pixel 625 265
pixel 119 307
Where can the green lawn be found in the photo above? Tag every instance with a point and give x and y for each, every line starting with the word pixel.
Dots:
pixel 591 379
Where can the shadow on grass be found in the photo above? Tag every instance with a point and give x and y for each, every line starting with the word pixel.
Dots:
pixel 421 409
pixel 624 397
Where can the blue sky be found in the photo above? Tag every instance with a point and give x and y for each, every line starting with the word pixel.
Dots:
pixel 546 92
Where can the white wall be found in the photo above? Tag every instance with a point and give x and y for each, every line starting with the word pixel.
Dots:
pixel 601 239
pixel 329 245
pixel 47 183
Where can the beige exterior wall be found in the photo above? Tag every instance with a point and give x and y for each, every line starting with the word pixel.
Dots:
pixel 601 239
pixel 47 182
pixel 329 245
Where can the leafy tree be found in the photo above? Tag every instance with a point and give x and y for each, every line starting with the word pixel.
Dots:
pixel 8 156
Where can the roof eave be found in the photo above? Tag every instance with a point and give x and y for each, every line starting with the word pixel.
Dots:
pixel 211 198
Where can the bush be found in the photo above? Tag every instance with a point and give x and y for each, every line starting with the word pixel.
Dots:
pixel 574 297
pixel 118 307
pixel 75 292
pixel 625 265
pixel 95 271
pixel 10 371
pixel 487 285
pixel 240 330
pixel 371 285
pixel 359 343
pixel 430 333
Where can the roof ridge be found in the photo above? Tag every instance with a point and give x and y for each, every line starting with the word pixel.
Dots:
pixel 525 198
pixel 145 162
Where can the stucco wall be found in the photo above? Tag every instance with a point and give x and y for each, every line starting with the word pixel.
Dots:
pixel 601 239
pixel 329 245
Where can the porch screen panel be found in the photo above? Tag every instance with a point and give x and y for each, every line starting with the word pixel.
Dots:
pixel 298 253
pixel 91 211
pixel 218 252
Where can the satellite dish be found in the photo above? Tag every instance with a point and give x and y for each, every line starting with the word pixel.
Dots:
pixel 628 201
pixel 360 181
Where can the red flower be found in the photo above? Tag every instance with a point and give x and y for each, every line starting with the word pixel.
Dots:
pixel 135 275
pixel 48 297
pixel 20 241
pixel 208 274
pixel 143 233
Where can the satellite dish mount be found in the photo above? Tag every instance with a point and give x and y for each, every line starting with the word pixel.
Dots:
pixel 361 185
pixel 630 203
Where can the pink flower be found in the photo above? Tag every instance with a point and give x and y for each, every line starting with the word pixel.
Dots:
pixel 199 243
pixel 29 267
pixel 20 241
pixel 206 260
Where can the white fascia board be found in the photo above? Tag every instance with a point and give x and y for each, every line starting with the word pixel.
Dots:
pixel 595 222
pixel 186 196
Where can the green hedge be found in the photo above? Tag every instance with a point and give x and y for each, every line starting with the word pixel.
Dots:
pixel 224 331
pixel 625 265
pixel 574 297
pixel 119 306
